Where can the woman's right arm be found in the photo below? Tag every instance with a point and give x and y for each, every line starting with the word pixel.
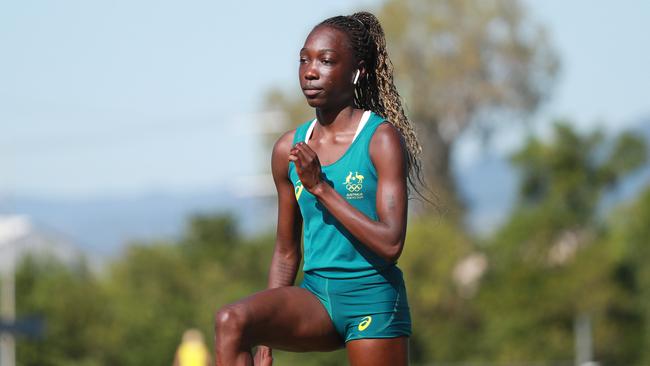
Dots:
pixel 287 254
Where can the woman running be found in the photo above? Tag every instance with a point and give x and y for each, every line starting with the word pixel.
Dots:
pixel 343 177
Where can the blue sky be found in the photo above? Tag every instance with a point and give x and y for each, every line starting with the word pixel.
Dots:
pixel 605 58
pixel 126 97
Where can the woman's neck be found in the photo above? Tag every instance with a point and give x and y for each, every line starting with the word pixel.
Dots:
pixel 336 119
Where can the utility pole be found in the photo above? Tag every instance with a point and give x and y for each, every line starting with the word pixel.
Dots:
pixel 584 348
pixel 11 228
pixel 8 314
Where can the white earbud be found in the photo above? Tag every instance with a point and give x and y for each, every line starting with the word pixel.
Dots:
pixel 356 77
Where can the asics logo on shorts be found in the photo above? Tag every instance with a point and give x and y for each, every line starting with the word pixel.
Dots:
pixel 365 322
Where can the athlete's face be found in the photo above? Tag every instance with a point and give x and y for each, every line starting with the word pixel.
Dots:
pixel 327 68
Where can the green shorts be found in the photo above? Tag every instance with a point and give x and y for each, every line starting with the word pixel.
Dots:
pixel 373 306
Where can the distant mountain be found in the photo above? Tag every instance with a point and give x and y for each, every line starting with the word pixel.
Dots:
pixel 103 226
pixel 489 188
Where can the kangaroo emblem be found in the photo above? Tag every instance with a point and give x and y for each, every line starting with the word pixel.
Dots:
pixel 356 178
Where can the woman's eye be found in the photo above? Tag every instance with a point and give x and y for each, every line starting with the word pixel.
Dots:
pixel 327 61
pixel 303 60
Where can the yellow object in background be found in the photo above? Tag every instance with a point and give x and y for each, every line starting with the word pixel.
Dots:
pixel 192 350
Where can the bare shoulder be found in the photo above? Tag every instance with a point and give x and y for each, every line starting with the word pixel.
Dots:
pixel 280 155
pixel 386 143
pixel 284 143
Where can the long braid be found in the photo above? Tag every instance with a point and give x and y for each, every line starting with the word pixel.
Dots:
pixel 376 91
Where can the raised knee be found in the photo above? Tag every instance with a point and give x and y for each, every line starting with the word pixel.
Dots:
pixel 230 319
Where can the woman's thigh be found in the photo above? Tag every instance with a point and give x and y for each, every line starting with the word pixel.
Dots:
pixel 288 318
pixel 378 352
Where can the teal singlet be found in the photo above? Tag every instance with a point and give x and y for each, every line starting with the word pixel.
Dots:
pixel 330 249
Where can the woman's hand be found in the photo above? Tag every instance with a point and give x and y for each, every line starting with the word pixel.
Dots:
pixel 263 356
pixel 307 165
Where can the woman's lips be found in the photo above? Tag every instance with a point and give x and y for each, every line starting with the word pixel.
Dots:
pixel 312 92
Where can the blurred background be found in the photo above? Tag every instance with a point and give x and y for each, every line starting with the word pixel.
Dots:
pixel 135 195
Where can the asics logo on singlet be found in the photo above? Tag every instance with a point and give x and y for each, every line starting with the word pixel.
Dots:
pixel 353 182
pixel 365 322
pixel 298 189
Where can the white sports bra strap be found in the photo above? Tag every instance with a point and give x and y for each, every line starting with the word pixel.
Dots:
pixel 364 119
pixel 310 130
pixel 362 122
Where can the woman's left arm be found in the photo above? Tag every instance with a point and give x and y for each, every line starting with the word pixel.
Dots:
pixel 385 236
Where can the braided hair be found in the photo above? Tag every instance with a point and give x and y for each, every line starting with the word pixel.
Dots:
pixel 376 91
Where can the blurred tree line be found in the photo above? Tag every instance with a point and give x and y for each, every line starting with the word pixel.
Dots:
pixel 511 298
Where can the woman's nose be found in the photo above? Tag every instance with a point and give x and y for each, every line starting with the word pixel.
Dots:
pixel 311 73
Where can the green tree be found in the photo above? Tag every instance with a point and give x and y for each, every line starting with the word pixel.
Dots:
pixel 73 307
pixel 135 311
pixel 549 262
pixel 630 235
pixel 443 319
pixel 153 294
pixel 158 290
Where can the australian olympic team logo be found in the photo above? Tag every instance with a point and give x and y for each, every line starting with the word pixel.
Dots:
pixel 354 184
